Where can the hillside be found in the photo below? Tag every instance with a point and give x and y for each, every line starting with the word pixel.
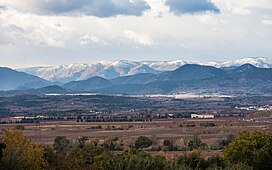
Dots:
pixel 89 84
pixel 12 80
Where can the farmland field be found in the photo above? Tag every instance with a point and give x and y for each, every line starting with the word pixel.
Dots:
pixel 171 129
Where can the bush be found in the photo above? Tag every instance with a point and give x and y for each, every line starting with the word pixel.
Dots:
pixel 251 149
pixel 221 144
pixel 61 143
pixel 167 145
pixel 208 124
pixel 81 141
pixel 193 161
pixel 20 127
pixel 239 166
pixel 142 142
pixel 2 147
pixel 113 143
pixel 196 143
pixel 215 162
pixel 131 160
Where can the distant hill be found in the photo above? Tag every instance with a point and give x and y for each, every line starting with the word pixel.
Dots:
pixel 242 68
pixel 89 84
pixel 135 79
pixel 191 72
pixel 50 90
pixel 13 80
pixel 54 89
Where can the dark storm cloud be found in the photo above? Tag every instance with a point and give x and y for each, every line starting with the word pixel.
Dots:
pixel 179 7
pixel 99 8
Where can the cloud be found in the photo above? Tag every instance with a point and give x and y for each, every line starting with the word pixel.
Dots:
pixel 99 8
pixel 267 21
pixel 179 7
pixel 244 7
pixel 91 39
pixel 138 38
pixel 42 36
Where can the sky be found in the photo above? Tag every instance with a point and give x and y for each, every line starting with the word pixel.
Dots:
pixel 53 32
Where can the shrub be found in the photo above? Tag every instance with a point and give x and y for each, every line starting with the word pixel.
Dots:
pixel 20 127
pixel 142 142
pixel 61 143
pixel 251 149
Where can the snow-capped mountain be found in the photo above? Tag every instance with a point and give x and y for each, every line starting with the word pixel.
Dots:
pixel 262 62
pixel 165 65
pixel 114 69
pixel 105 69
pixel 61 73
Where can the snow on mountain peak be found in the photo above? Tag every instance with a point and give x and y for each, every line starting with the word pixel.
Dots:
pixel 263 62
pixel 115 68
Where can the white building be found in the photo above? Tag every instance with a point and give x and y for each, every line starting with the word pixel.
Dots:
pixel 205 116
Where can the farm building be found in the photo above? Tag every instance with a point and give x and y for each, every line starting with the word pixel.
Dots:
pixel 204 116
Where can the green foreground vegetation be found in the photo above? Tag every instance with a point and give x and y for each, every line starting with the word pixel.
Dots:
pixel 249 150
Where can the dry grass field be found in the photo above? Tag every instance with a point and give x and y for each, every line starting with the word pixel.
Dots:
pixel 176 130
pixel 173 129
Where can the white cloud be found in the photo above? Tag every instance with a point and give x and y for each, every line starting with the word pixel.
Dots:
pixel 38 36
pixel 267 21
pixel 26 29
pixel 243 7
pixel 92 39
pixel 143 39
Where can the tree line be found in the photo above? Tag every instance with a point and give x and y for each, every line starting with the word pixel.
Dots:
pixel 249 150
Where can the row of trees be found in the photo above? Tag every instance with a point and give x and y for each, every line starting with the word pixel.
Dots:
pixel 247 151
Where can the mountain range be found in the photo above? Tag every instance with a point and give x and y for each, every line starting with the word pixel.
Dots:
pixel 114 69
pixel 189 78
pixel 244 76
pixel 105 69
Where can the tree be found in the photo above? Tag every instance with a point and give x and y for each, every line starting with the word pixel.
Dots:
pixel 215 162
pixel 61 147
pixel 84 158
pixel 2 147
pixel 81 141
pixel 227 141
pixel 21 153
pixel 142 142
pixel 192 161
pixel 167 145
pixel 195 142
pixel 222 143
pixel 61 143
pixel 112 143
pixel 20 127
pixel 51 157
pixel 251 149
pixel 131 160
pixel 239 166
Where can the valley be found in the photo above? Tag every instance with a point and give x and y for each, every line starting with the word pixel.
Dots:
pixel 96 106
